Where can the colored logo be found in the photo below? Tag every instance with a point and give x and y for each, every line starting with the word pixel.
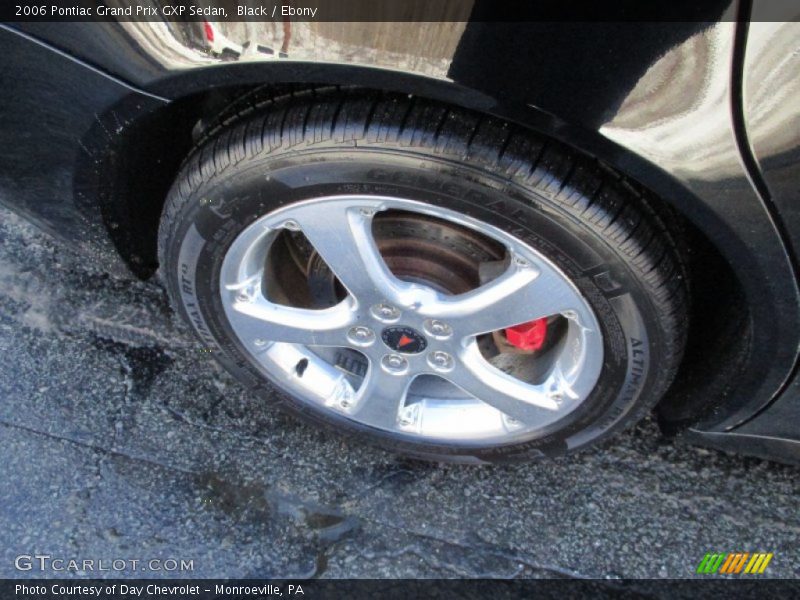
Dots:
pixel 734 563
pixel 404 339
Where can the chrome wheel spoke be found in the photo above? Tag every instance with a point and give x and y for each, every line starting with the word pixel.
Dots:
pixel 521 294
pixel 526 403
pixel 342 234
pixel 263 320
pixel 380 397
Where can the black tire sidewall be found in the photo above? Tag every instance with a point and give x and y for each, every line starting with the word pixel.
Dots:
pixel 223 205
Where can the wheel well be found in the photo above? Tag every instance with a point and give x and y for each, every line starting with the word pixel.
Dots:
pixel 134 180
pixel 130 183
pixel 719 339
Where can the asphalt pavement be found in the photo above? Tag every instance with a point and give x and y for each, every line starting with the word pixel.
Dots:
pixel 120 440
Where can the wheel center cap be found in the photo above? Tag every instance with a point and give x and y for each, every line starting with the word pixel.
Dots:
pixel 404 339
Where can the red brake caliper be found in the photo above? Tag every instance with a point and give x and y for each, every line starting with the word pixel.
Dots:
pixel 528 336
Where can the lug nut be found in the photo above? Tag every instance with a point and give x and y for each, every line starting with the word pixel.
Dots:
pixel 521 262
pixel 438 329
pixel 440 361
pixel 291 225
pixel 361 336
pixel 408 416
pixel 394 364
pixel 385 312
pixel 259 342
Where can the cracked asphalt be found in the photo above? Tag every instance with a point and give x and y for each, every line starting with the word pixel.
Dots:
pixel 121 440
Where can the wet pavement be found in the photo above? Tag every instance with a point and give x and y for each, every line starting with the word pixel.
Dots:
pixel 122 440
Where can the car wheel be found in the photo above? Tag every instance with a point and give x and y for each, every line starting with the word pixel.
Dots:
pixel 434 281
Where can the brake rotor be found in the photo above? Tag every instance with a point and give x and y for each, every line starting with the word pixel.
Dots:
pixel 418 249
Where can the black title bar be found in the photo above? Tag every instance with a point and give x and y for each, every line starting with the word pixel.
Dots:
pixel 149 589
pixel 394 10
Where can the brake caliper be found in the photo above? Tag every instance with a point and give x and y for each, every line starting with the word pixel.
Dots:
pixel 528 336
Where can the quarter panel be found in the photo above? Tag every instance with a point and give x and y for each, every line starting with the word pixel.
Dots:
pixel 772 112
pixel 772 115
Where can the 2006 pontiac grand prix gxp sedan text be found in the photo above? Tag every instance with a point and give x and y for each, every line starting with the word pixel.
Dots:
pixel 466 240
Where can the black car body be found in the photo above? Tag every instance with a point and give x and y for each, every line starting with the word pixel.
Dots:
pixel 97 117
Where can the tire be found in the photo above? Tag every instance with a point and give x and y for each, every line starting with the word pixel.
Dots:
pixel 595 228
